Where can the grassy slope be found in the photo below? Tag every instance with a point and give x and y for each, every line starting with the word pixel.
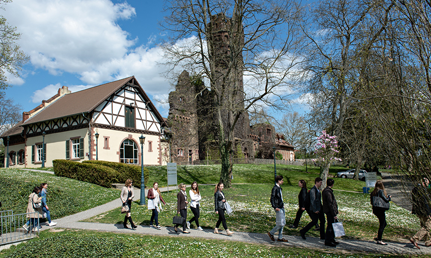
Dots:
pixel 97 244
pixel 65 196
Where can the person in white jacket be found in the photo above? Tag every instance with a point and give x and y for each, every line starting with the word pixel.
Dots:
pixel 195 197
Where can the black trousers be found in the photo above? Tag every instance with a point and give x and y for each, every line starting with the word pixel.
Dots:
pixel 183 213
pixel 381 215
pixel 196 215
pixel 298 217
pixel 221 219
pixel 314 219
pixel 330 236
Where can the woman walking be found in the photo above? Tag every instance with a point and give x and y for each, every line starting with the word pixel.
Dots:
pixel 195 197
pixel 219 201
pixel 182 207
pixel 127 195
pixel 45 208
pixel 380 192
pixel 155 196
pixel 34 214
pixel 301 200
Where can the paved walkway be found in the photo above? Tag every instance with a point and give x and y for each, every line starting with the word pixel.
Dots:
pixel 73 222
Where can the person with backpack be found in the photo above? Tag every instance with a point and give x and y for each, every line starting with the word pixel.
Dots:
pixel 314 209
pixel 301 200
pixel 278 205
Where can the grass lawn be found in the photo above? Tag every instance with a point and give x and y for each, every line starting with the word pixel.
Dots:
pixel 65 196
pixel 253 212
pixel 71 243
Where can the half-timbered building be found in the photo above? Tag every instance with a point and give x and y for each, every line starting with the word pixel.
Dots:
pixel 102 122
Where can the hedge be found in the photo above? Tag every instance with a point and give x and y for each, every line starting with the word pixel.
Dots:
pixel 92 173
pixel 125 171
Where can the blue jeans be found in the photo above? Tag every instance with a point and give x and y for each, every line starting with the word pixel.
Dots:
pixel 33 221
pixel 48 216
pixel 154 216
pixel 278 228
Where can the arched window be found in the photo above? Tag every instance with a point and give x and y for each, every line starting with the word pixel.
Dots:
pixel 129 152
pixel 21 157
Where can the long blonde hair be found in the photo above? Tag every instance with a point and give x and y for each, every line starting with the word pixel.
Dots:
pixel 158 188
pixel 197 187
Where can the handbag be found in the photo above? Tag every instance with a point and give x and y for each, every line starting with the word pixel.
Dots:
pixel 280 218
pixel 124 208
pixel 228 208
pixel 178 220
pixel 380 203
pixel 36 205
pixel 338 229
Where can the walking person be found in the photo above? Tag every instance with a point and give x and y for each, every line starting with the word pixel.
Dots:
pixel 278 205
pixel 182 207
pixel 380 192
pixel 330 208
pixel 301 200
pixel 33 214
pixel 195 197
pixel 45 208
pixel 220 208
pixel 127 195
pixel 315 210
pixel 155 197
pixel 421 207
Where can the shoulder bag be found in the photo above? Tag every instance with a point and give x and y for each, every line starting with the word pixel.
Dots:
pixel 125 208
pixel 378 202
pixel 36 205
pixel 338 229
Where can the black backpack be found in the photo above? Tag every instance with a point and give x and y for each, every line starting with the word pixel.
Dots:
pixel 307 202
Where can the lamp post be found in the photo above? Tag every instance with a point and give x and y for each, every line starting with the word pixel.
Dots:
pixel 97 145
pixel 275 166
pixel 142 141
pixel 7 153
pixel 43 149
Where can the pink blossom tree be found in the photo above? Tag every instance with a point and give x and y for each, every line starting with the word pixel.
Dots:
pixel 326 150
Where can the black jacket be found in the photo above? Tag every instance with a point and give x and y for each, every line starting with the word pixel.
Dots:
pixel 421 201
pixel 218 197
pixel 301 197
pixel 276 200
pixel 329 203
pixel 315 200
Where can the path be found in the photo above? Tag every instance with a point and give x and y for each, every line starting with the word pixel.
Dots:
pixel 399 189
pixel 73 222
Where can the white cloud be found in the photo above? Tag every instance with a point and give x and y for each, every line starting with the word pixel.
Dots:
pixel 52 89
pixel 13 80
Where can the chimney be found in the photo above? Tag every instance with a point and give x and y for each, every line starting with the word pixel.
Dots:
pixel 25 116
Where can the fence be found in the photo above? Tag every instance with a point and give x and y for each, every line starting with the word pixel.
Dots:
pixel 12 227
pixel 242 161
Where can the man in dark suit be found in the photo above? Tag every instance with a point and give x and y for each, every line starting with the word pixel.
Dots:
pixel 315 210
pixel 278 205
pixel 330 208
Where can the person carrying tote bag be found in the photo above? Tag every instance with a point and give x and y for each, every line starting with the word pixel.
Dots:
pixel 220 208
pixel 154 197
pixel 380 202
pixel 181 209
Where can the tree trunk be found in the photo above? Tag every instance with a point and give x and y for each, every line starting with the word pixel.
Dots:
pixel 225 164
pixel 324 171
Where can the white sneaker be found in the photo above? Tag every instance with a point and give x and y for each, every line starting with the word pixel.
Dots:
pixel 52 224
pixel 199 228
pixel 25 227
pixel 158 227
pixel 188 225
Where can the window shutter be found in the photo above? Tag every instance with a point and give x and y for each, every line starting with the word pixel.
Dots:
pixel 32 153
pixel 67 149
pixel 132 117
pixel 81 148
pixel 44 152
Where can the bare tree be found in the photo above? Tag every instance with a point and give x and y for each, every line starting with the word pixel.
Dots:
pixel 10 114
pixel 246 49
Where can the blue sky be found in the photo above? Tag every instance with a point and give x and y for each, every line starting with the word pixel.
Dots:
pixel 84 43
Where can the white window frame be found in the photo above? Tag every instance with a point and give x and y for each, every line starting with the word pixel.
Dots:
pixel 39 152
pixel 75 148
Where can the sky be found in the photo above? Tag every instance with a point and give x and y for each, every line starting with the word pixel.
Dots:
pixel 85 43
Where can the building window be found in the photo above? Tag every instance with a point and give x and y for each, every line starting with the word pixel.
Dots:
pixel 180 152
pixel 75 149
pixel 39 151
pixel 129 152
pixel 12 158
pixel 106 142
pixel 130 117
pixel 150 146
pixel 21 157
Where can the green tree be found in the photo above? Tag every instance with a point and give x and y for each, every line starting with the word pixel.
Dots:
pixel 12 58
